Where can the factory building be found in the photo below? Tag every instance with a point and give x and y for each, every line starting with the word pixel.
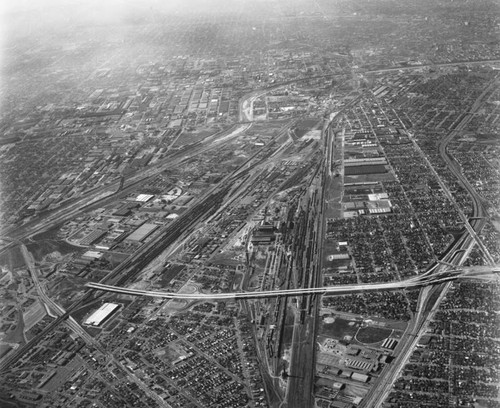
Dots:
pixel 102 314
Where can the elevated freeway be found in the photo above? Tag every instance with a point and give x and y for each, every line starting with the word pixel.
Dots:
pixel 431 295
pixel 416 281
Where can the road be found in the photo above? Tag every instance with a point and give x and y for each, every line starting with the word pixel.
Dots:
pixel 50 304
pixel 443 64
pixel 428 303
pixel 431 296
pixel 75 326
pixel 478 208
pixel 413 282
pixel 440 279
pixel 108 193
pixel 202 208
pixel 111 191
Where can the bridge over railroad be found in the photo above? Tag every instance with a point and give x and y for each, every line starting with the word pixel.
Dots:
pixel 429 278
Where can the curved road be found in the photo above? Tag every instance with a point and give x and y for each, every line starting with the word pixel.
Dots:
pixel 416 281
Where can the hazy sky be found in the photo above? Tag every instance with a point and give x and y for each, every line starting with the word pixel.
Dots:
pixel 105 9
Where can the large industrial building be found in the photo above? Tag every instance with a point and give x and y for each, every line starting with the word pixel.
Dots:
pixel 102 314
pixel 142 232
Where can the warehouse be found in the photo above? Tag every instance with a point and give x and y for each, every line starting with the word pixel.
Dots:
pixel 360 377
pixel 102 314
pixel 92 255
pixel 93 237
pixel 142 232
pixel 144 198
pixel 369 169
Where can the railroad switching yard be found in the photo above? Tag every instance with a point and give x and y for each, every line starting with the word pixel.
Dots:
pixel 317 235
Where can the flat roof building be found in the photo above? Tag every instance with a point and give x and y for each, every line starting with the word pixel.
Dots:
pixel 93 237
pixel 101 314
pixel 144 198
pixel 142 232
pixel 360 377
pixel 92 255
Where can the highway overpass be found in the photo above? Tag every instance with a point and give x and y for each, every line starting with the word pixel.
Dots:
pixel 426 279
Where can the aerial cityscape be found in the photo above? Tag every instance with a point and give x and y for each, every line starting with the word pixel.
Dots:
pixel 267 203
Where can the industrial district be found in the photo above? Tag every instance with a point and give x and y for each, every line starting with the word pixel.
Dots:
pixel 251 204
